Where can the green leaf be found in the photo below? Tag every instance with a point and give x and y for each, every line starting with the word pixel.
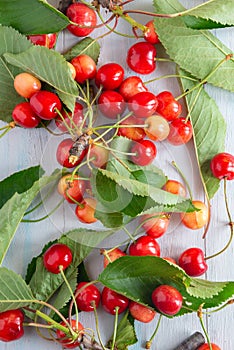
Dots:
pixel 197 52
pixel 14 292
pixel 126 334
pixel 48 66
pixel 30 17
pixel 13 211
pixel 87 46
pixel 14 42
pixel 200 23
pixel 209 129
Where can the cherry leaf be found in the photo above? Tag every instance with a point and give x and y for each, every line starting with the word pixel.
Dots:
pixel 86 46
pixel 30 17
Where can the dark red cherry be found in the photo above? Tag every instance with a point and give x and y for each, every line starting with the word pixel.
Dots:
pixel 151 35
pixel 111 104
pixel 144 245
pixel 24 116
pixel 85 68
pixel 134 133
pixel 145 151
pixel 66 342
pixel 45 103
pixel 11 325
pixel 83 16
pixel 167 299
pixel 86 296
pixel 193 262
pixel 168 107
pixel 141 58
pixel 143 104
pixel 181 132
pixel 111 300
pixel 222 166
pixel 131 86
pixel 109 76
pixel 57 255
pixel 63 154
pixel 47 40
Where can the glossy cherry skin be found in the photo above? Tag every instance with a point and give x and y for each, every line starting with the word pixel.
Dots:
pixel 63 155
pixel 111 300
pixel 84 16
pixel 26 84
pixel 99 156
pixel 157 128
pixel 109 76
pixel 193 262
pixel 11 325
pixel 175 187
pixel 196 219
pixel 111 104
pixel 144 245
pixel 47 40
pixel 85 68
pixel 44 104
pixel 167 299
pixel 87 295
pixel 131 86
pixel 24 116
pixel 85 213
pixel 113 255
pixel 155 225
pixel 141 58
pixel 133 133
pixel 151 35
pixel 168 107
pixel 181 132
pixel 69 120
pixel 207 347
pixel 143 104
pixel 145 152
pixel 222 166
pixel 141 313
pixel 57 255
pixel 71 190
pixel 67 342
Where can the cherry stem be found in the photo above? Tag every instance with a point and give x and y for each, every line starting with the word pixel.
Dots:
pixel 149 342
pixel 46 216
pixel 129 234
pixel 8 128
pixel 183 178
pixel 199 314
pixel 190 109
pixel 118 11
pixel 169 76
pixel 161 59
pixel 79 166
pixel 114 150
pixel 41 202
pixel 115 327
pixel 73 200
pixel 231 223
pixel 97 326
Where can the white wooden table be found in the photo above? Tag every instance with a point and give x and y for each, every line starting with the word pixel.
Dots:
pixel 21 149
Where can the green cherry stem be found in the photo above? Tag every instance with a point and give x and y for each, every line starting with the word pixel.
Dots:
pixel 115 328
pixel 113 150
pixel 47 215
pixel 199 314
pixel 184 179
pixel 169 76
pixel 97 326
pixel 149 342
pixel 129 234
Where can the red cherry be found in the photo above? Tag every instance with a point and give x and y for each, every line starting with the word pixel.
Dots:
pixel 155 225
pixel 85 68
pixel 57 255
pixel 167 299
pixel 69 120
pixel 181 132
pixel 151 35
pixel 11 325
pixel 71 190
pixel 44 104
pixel 206 346
pixel 141 58
pixel 111 300
pixel 24 116
pixel 83 16
pixel 98 155
pixel 63 155
pixel 86 296
pixel 168 107
pixel 86 211
pixel 175 187
pixel 144 245
pixel 141 313
pixel 47 40
pixel 109 76
pixel 145 152
pixel 131 86
pixel 134 133
pixel 111 104
pixel 196 219
pixel 113 255
pixel 193 262
pixel 143 104
pixel 68 343
pixel 26 84
pixel 222 166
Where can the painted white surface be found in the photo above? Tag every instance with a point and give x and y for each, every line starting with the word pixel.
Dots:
pixel 21 149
